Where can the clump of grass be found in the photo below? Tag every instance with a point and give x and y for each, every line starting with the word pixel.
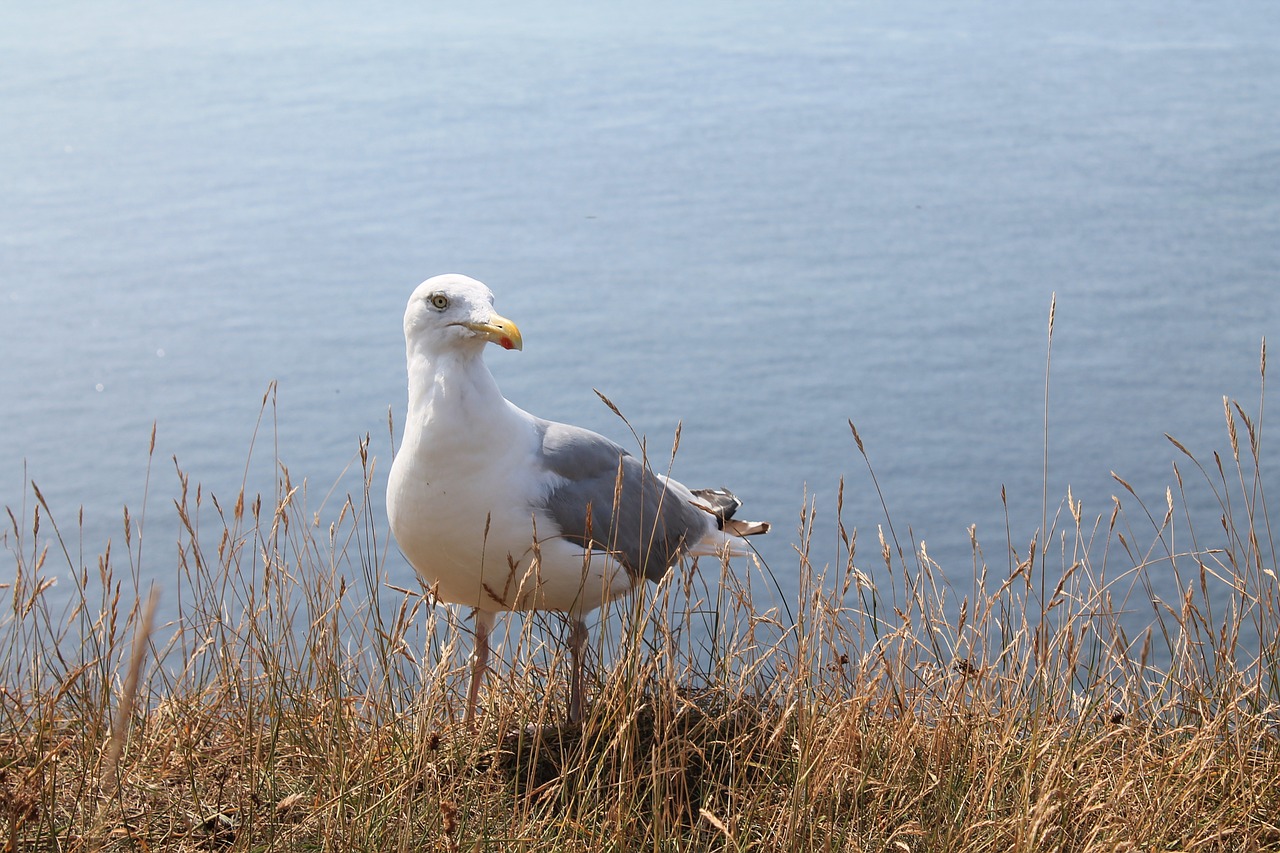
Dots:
pixel 297 699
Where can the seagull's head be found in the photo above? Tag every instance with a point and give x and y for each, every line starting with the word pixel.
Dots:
pixel 454 312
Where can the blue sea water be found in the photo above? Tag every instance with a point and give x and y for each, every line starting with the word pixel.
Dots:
pixel 758 221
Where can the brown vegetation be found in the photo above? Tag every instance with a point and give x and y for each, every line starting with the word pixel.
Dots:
pixel 299 701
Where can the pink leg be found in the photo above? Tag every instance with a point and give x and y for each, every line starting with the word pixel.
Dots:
pixel 483 622
pixel 577 647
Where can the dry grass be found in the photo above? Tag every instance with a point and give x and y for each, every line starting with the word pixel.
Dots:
pixel 299 701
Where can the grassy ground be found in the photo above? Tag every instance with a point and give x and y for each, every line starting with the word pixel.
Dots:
pixel 298 701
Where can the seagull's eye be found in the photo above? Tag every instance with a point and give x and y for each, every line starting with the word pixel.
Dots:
pixel 439 301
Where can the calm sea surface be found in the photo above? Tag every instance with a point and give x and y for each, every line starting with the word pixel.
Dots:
pixel 758 220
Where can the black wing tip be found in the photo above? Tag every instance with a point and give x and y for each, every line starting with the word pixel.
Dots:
pixel 722 504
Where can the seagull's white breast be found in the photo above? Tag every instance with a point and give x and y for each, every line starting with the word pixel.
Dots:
pixel 463 500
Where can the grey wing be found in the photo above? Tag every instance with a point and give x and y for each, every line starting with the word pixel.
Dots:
pixel 645 521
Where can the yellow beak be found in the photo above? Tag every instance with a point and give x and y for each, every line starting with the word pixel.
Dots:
pixel 499 330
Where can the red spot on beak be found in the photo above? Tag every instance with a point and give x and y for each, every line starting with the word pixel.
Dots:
pixel 506 343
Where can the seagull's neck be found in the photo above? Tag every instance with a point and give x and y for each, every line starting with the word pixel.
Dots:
pixel 454 390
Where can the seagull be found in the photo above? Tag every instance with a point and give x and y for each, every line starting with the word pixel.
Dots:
pixel 499 510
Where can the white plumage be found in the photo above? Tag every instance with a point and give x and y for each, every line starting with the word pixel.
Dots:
pixel 497 509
